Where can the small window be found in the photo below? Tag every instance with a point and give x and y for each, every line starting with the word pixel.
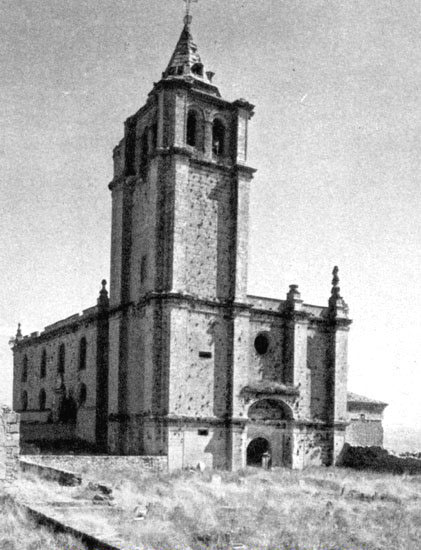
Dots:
pixel 61 359
pixel 82 353
pixel 82 395
pixel 144 151
pixel 192 128
pixel 42 399
pixel 203 432
pixel 43 366
pixel 25 369
pixel 197 69
pixel 154 135
pixel 218 137
pixel 24 401
pixel 143 268
pixel 261 343
pixel 130 145
pixel 205 354
pixel 362 417
pixel 180 70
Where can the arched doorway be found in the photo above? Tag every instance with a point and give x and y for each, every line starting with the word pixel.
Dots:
pixel 255 451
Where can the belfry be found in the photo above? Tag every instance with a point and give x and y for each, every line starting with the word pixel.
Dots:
pixel 179 361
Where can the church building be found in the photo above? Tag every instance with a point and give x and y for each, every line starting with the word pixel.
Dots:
pixel 178 360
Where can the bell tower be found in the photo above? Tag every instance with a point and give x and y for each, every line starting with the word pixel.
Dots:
pixel 180 199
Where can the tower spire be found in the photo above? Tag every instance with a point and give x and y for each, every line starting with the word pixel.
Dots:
pixel 185 61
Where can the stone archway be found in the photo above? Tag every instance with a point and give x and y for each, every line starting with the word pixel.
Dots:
pixel 255 451
pixel 271 421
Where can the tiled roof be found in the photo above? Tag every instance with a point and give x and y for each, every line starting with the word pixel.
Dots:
pixel 355 398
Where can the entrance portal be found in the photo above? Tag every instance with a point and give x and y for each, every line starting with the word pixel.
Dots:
pixel 255 450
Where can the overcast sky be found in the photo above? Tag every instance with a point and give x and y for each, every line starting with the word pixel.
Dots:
pixel 335 139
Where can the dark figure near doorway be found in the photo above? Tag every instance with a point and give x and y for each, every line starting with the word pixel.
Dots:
pixel 255 451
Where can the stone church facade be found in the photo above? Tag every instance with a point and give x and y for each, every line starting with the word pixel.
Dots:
pixel 179 360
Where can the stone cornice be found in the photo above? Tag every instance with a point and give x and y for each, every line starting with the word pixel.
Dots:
pixel 269 389
pixel 175 420
pixel 72 326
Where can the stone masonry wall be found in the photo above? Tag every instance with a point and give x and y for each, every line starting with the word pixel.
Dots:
pixel 33 349
pixel 9 444
pixel 79 464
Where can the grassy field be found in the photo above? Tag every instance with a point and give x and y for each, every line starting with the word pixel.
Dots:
pixel 19 532
pixel 318 509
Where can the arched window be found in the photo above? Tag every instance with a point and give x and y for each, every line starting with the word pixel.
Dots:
pixel 25 369
pixel 43 366
pixel 144 151
pixel 197 69
pixel 42 398
pixel 154 135
pixel 61 359
pixel 82 353
pixel 130 144
pixel 192 128
pixel 83 393
pixel 24 401
pixel 218 137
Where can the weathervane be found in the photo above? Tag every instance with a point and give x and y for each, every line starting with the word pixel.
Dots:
pixel 188 17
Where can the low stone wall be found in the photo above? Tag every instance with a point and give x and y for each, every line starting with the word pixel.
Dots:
pixel 9 444
pixel 81 463
pixel 60 476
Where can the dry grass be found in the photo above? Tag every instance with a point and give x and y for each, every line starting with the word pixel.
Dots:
pixel 318 509
pixel 329 509
pixel 20 532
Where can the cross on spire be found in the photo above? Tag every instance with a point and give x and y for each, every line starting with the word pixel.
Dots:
pixel 188 17
pixel 188 5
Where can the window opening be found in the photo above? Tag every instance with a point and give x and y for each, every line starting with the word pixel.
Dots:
pixel 144 151
pixel 130 146
pixel 43 367
pixel 192 129
pixel 218 138
pixel 82 353
pixel 82 395
pixel 42 399
pixel 61 359
pixel 25 369
pixel 261 343
pixel 24 400
pixel 197 69
pixel 143 268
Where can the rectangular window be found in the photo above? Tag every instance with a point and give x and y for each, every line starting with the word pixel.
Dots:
pixel 205 354
pixel 203 432
pixel 143 268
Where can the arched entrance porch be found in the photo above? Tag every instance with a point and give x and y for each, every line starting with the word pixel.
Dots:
pixel 270 430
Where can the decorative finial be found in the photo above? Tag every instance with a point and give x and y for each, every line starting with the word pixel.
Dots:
pixel 294 301
pixel 188 18
pixel 103 294
pixel 19 332
pixel 335 283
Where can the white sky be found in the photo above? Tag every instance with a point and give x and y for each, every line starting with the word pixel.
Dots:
pixel 335 140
